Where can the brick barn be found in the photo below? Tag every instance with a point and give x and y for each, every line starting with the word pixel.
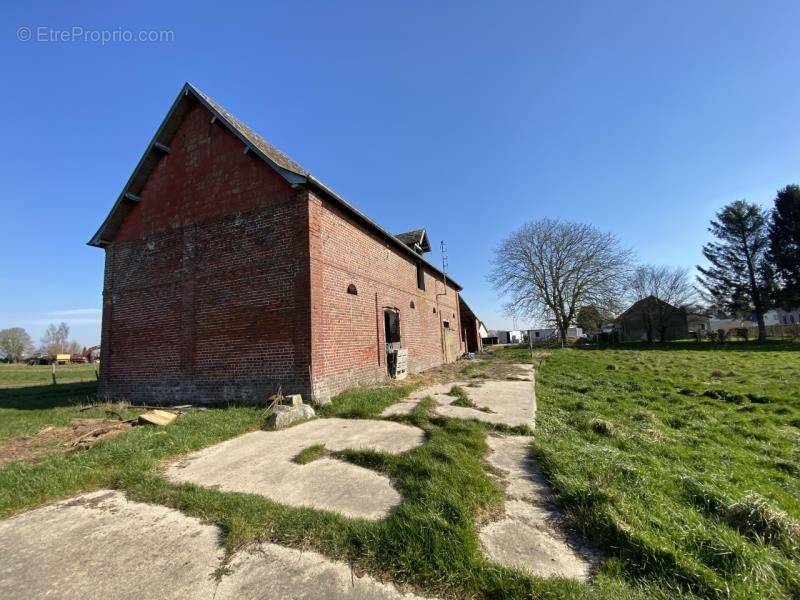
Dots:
pixel 230 270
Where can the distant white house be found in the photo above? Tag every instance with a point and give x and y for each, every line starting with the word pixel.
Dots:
pixel 551 333
pixel 776 316
pixel 515 337
pixel 505 337
pixel 787 317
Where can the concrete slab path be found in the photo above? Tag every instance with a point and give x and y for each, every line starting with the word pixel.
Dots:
pixel 261 463
pixel 269 572
pixel 100 545
pixel 511 403
pixel 529 536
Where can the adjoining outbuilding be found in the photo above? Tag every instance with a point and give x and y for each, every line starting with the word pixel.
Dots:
pixel 231 271
pixel 471 327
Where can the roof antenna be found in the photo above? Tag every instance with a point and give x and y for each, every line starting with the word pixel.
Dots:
pixel 443 250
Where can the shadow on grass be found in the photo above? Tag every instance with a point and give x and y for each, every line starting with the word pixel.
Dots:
pixel 38 397
pixel 683 345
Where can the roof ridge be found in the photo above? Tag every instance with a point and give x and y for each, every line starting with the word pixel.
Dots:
pixel 285 166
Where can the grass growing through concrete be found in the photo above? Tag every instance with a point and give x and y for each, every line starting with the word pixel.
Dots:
pixel 430 542
pixel 364 403
pixel 310 454
pixel 688 493
pixel 463 399
pixel 683 459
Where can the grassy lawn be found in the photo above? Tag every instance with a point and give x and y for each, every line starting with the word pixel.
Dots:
pixel 21 375
pixel 651 465
pixel 683 462
pixel 29 401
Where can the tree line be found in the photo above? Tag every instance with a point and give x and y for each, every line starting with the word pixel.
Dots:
pixel 16 343
pixel 558 271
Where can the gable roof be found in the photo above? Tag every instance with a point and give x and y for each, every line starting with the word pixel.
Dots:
pixel 417 237
pixel 648 300
pixel 292 172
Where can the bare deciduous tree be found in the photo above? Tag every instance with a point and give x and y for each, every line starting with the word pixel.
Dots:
pixel 549 269
pixel 670 285
pixel 56 340
pixel 15 343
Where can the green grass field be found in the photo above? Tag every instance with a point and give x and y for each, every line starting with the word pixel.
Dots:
pixel 679 462
pixel 29 400
pixel 684 460
pixel 21 375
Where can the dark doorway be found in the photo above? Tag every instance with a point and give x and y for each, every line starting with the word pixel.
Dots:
pixel 391 332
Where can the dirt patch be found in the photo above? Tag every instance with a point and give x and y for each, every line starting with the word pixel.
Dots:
pixel 80 433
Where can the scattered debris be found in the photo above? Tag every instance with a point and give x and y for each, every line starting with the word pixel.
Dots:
pixel 79 434
pixel 186 408
pixel 102 430
pixel 157 417
pixel 276 399
pixel 294 399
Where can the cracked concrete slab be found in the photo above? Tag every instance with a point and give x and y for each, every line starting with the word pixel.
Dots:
pixel 529 536
pixel 100 545
pixel 260 462
pixel 511 403
pixel 523 477
pixel 526 374
pixel 269 571
pixel 405 407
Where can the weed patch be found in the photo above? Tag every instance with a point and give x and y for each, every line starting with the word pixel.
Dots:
pixel 602 427
pixel 310 454
pixel 463 399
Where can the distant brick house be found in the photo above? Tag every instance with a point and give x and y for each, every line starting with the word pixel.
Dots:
pixel 230 270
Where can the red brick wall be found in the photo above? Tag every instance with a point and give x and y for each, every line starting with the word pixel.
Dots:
pixel 347 330
pixel 225 282
pixel 206 295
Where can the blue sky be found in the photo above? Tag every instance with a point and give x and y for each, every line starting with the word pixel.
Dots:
pixel 642 118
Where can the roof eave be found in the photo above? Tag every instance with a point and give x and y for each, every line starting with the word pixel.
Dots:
pixel 97 239
pixel 157 145
pixel 317 184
